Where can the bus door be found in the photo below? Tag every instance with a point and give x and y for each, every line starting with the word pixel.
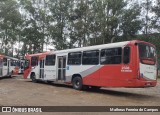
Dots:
pixel 61 68
pixel 41 74
pixel 1 67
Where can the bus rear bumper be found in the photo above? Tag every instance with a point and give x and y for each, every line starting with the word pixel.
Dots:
pixel 140 83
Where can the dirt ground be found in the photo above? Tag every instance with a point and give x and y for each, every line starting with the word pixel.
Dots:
pixel 22 92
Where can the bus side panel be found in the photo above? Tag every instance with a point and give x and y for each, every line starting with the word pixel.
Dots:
pixel 93 76
pixel 50 72
pixel 115 76
pixel 76 69
pixel 91 71
pixel 111 76
pixel 119 75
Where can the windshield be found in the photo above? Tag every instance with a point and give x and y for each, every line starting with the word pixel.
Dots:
pixel 147 54
pixel 26 65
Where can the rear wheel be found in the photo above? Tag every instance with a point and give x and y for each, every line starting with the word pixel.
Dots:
pixel 77 83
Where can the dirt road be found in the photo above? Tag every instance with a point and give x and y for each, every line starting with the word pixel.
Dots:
pixel 18 91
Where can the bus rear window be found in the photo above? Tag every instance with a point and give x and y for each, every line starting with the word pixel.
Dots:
pixel 147 54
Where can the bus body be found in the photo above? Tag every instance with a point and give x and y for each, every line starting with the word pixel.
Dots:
pixel 122 64
pixel 8 66
pixel 29 66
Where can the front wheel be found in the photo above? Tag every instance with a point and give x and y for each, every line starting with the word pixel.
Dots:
pixel 33 77
pixel 77 83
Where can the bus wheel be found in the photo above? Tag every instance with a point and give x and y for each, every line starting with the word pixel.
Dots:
pixel 33 77
pixel 77 83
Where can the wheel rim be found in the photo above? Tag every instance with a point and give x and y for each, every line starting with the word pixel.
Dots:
pixel 77 83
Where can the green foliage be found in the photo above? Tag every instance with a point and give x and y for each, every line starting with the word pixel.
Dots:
pixel 156 18
pixel 75 23
pixel 9 19
pixel 130 23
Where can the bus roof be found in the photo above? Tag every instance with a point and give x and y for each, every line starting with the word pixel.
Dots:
pixel 41 55
pixel 37 54
pixel 3 56
pixel 102 46
pixel 11 58
pixel 110 45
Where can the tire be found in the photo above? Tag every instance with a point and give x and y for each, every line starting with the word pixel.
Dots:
pixel 33 77
pixel 77 83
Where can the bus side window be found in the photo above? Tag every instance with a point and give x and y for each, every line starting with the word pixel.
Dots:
pixel 5 61
pixel 90 57
pixel 13 63
pixel 126 55
pixel 74 58
pixel 50 60
pixel 111 56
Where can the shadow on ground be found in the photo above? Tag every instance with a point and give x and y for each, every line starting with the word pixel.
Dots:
pixel 130 95
pixel 5 77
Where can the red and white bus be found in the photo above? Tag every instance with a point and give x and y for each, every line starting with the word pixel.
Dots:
pixel 32 62
pixel 122 64
pixel 8 66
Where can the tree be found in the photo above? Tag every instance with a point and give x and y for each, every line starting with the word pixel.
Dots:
pixel 146 9
pixel 156 20
pixel 59 22
pixel 130 22
pixel 35 25
pixel 9 21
